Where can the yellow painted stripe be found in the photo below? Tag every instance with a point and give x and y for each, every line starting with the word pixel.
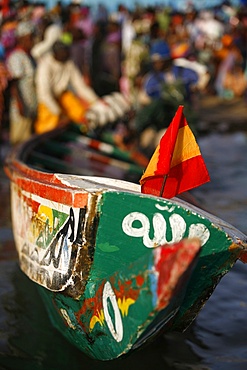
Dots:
pixel 186 146
pixel 152 165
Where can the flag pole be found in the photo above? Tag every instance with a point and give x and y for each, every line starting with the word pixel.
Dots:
pixel 181 107
pixel 163 185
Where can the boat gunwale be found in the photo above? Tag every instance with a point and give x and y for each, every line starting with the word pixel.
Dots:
pixel 15 168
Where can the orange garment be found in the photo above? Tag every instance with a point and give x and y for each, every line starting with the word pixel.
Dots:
pixel 235 81
pixel 71 106
pixel 227 45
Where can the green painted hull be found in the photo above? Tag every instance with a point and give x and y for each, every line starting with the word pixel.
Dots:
pixel 116 251
pixel 107 328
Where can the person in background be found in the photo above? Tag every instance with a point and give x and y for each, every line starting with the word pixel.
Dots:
pixel 136 59
pixel 61 12
pixel 57 103
pixel 4 83
pixel 80 52
pixel 101 15
pixel 85 21
pixel 49 32
pixel 111 56
pixel 23 104
pixel 105 71
pixel 63 95
pixel 165 73
pixel 8 34
pixel 230 80
pixel 164 88
pixel 96 69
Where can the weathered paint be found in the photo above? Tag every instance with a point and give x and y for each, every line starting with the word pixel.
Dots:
pixel 48 238
pixel 118 311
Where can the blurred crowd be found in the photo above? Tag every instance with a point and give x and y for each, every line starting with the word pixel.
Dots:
pixel 72 63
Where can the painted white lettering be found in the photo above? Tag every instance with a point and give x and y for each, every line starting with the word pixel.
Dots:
pixel 177 224
pixel 137 232
pixel 200 231
pixel 159 225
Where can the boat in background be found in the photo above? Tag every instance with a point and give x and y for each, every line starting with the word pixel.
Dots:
pixel 69 151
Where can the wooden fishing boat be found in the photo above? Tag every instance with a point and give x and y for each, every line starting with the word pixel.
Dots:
pixel 114 266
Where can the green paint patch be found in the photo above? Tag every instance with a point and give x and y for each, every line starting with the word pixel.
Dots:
pixel 106 247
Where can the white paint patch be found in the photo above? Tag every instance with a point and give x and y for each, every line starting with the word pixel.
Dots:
pixel 67 318
pixel 165 208
pixel 91 183
pixel 117 331
pixel 199 231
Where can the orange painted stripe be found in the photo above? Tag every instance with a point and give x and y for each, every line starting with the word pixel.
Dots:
pixel 80 200
pixel 152 166
pixel 68 197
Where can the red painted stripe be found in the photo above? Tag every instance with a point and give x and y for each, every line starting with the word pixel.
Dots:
pixel 95 144
pixel 45 185
pixel 46 191
pixel 80 200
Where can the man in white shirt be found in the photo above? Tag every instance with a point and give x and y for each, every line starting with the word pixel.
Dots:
pixel 63 96
pixel 62 93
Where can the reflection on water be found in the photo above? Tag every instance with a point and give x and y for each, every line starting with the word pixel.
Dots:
pixel 216 340
pixel 221 328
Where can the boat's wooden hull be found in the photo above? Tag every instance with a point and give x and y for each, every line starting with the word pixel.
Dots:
pixel 114 266
pixel 92 247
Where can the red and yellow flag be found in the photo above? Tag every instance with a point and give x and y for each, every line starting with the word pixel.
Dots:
pixel 177 164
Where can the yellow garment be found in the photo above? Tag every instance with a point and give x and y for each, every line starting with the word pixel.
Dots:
pixel 71 106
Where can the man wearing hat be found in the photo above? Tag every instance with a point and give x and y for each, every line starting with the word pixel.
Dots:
pixel 60 89
pixel 63 95
pixel 161 64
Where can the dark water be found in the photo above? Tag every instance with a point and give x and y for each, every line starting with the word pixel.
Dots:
pixel 216 340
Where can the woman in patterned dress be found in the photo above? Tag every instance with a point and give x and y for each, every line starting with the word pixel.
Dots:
pixel 23 104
